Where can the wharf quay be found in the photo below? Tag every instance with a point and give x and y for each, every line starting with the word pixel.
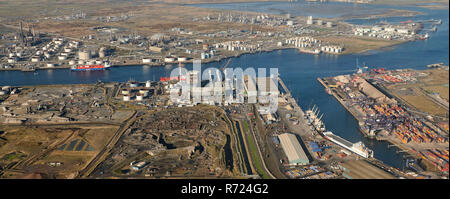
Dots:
pixel 291 100
pixel 400 146
pixel 341 101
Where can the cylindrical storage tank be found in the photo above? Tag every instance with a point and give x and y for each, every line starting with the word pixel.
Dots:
pixel 133 84
pixel 182 59
pixel 50 65
pixel 47 55
pixel 72 62
pixel 329 24
pixel 84 55
pixel 38 52
pixel 12 60
pixel 67 50
pixel 19 54
pixel 2 92
pixel 90 62
pixel 148 84
pixel 6 88
pixel 81 62
pixel 126 98
pixel 11 55
pixel 139 97
pixel 169 59
pixel 125 92
pixel 62 57
pixel 101 52
pixel 64 54
pixel 44 48
pixel 142 91
pixel 98 62
pixel 146 60
pixel 35 59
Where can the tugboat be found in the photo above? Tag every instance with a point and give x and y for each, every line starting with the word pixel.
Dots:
pixel 425 37
pixel 328 91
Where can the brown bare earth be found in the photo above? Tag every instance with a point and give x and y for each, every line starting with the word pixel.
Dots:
pixel 415 94
pixel 359 44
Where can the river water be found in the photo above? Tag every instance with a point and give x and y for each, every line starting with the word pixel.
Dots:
pixel 298 70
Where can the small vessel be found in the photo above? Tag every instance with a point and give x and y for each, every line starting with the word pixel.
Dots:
pixel 426 36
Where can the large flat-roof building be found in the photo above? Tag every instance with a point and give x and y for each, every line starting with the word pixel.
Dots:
pixel 293 150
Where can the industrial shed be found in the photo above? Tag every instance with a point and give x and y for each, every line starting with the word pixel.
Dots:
pixel 293 150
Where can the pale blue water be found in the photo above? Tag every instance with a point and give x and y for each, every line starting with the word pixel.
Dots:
pixel 299 71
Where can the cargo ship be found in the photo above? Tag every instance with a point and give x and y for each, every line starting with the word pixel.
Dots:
pixel 91 67
pixel 359 148
pixel 315 120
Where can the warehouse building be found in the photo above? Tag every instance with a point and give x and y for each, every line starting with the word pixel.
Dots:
pixel 293 150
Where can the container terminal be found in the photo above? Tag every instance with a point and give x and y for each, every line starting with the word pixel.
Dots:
pixel 396 106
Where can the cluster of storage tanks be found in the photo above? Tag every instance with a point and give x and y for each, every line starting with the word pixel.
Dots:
pixel 141 93
pixel 8 90
pixel 310 21
pixel 85 58
pixel 302 42
pixel 169 59
pixel 384 32
pixel 332 49
pixel 236 46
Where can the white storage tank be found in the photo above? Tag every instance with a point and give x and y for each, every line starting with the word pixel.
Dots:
pixel 35 59
pixel 72 62
pixel 182 59
pixel 101 52
pixel 61 57
pixel 146 60
pixel 139 97
pixel 169 59
pixel 50 65
pixel 12 60
pixel 133 84
pixel 84 55
pixel 81 62
pixel 148 84
pixel 47 55
pixel 126 98
pixel 125 92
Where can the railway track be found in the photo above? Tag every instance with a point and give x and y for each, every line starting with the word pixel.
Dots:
pixel 105 151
